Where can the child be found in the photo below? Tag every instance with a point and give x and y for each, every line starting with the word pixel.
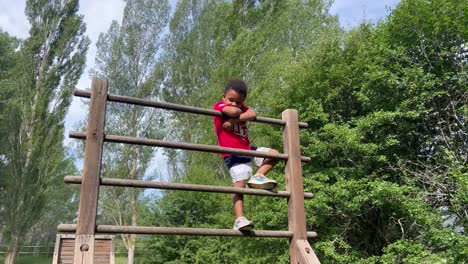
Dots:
pixel 231 131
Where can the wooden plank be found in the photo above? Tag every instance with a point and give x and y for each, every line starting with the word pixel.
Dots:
pixel 55 258
pixel 293 174
pixel 84 249
pixel 103 249
pixel 112 256
pixel 89 192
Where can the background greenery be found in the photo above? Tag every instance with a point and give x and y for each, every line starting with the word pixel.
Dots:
pixel 386 106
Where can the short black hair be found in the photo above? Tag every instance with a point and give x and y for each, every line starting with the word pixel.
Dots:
pixel 237 85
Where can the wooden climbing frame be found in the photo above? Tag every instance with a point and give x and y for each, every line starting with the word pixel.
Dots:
pixel 86 228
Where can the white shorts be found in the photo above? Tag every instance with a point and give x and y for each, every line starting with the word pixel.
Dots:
pixel 243 171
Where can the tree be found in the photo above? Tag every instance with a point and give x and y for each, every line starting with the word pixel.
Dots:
pixel 8 59
pixel 127 56
pixel 209 42
pixel 385 104
pixel 34 161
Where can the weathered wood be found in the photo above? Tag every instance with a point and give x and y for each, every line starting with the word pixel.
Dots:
pixel 89 190
pixel 87 249
pixel 186 146
pixel 112 252
pixel 56 250
pixel 65 249
pixel 177 107
pixel 183 187
pixel 84 249
pixel 294 183
pixel 304 252
pixel 114 229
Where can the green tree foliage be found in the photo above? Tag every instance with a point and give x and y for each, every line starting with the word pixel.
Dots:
pixel 39 89
pixel 389 132
pixel 126 55
pixel 8 59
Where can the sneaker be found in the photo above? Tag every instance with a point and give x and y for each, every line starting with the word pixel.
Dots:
pixel 243 223
pixel 259 181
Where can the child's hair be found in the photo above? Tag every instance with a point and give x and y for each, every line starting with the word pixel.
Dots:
pixel 237 85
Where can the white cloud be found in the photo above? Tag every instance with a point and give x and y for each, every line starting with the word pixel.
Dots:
pixel 12 18
pixel 351 13
pixel 98 16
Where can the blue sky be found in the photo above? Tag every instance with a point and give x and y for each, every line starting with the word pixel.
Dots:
pixel 98 15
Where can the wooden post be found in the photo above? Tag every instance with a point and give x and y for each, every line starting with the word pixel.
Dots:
pixel 299 249
pixel 89 192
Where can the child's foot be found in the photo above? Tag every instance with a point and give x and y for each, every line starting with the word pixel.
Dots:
pixel 259 181
pixel 243 223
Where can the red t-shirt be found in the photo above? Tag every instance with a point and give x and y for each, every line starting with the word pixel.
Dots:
pixel 238 138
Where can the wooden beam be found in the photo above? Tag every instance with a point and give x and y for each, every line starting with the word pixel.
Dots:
pixel 114 229
pixel 304 252
pixel 182 145
pixel 183 187
pixel 89 191
pixel 294 184
pixel 177 107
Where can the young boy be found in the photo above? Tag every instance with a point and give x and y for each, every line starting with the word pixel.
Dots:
pixel 231 131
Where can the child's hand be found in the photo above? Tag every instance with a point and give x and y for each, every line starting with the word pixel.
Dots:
pixel 228 125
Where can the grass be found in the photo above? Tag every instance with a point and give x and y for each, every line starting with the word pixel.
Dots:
pixel 48 260
pixel 120 260
pixel 30 260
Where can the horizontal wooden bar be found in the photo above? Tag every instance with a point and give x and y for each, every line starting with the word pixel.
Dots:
pixel 113 229
pixel 186 146
pixel 177 107
pixel 183 187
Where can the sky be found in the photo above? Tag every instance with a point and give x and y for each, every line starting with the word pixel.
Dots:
pixel 98 15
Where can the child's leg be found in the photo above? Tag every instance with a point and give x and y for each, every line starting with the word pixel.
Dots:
pixel 267 163
pixel 240 173
pixel 238 200
pixel 259 181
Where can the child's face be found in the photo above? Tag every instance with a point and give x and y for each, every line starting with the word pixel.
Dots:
pixel 233 98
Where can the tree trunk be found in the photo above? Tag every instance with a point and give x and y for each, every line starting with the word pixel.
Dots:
pixel 130 253
pixel 12 251
pixel 133 206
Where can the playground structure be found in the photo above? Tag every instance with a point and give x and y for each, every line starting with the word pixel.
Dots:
pixel 86 229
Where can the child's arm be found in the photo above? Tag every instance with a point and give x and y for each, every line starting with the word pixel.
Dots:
pixel 248 115
pixel 231 111
pixel 237 116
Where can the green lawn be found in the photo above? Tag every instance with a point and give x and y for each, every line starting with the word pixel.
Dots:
pixel 120 260
pixel 30 260
pixel 48 260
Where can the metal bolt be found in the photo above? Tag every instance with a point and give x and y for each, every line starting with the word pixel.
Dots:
pixel 84 247
pixel 307 250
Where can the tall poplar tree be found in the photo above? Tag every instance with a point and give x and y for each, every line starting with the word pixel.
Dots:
pixel 126 56
pixel 33 157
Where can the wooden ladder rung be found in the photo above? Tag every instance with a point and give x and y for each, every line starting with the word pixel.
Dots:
pixel 115 229
pixel 183 186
